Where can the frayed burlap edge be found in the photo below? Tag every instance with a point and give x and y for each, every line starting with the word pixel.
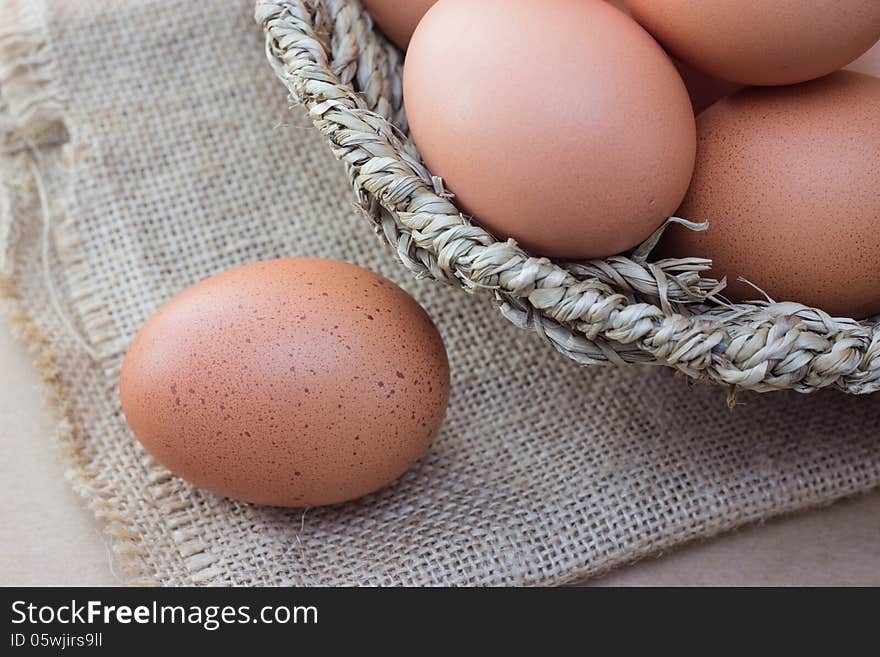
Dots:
pixel 601 312
pixel 125 541
pixel 38 144
pixel 34 132
pixel 131 554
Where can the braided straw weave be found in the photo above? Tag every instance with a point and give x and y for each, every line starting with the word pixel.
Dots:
pixel 623 309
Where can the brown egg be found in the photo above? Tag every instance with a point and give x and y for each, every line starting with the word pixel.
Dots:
pixel 561 123
pixel 289 382
pixel 789 180
pixel 398 18
pixel 763 42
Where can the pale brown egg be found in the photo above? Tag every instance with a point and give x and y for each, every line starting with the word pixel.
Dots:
pixel 762 42
pixel 561 123
pixel 398 18
pixel 292 382
pixel 789 180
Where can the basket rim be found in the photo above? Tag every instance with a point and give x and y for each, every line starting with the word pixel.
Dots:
pixel 610 311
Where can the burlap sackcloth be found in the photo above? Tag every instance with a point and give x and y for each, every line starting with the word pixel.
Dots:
pixel 162 149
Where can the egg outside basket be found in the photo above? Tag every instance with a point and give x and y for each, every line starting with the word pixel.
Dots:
pixel 624 309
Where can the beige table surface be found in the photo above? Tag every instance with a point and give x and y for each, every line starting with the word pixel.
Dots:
pixel 49 537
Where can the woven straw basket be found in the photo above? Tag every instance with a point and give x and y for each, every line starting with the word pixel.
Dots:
pixel 624 309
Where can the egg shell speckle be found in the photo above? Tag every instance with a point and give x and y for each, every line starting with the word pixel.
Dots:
pixel 789 180
pixel 293 382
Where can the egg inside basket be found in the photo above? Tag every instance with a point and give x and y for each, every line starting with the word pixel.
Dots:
pixel 628 308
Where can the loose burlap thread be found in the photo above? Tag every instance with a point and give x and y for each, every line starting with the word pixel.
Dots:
pixel 163 152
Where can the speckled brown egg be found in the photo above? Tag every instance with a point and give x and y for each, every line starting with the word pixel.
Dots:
pixel 561 124
pixel 789 180
pixel 398 18
pixel 762 42
pixel 294 382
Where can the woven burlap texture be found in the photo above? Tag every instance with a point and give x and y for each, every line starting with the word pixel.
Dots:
pixel 622 309
pixel 163 150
